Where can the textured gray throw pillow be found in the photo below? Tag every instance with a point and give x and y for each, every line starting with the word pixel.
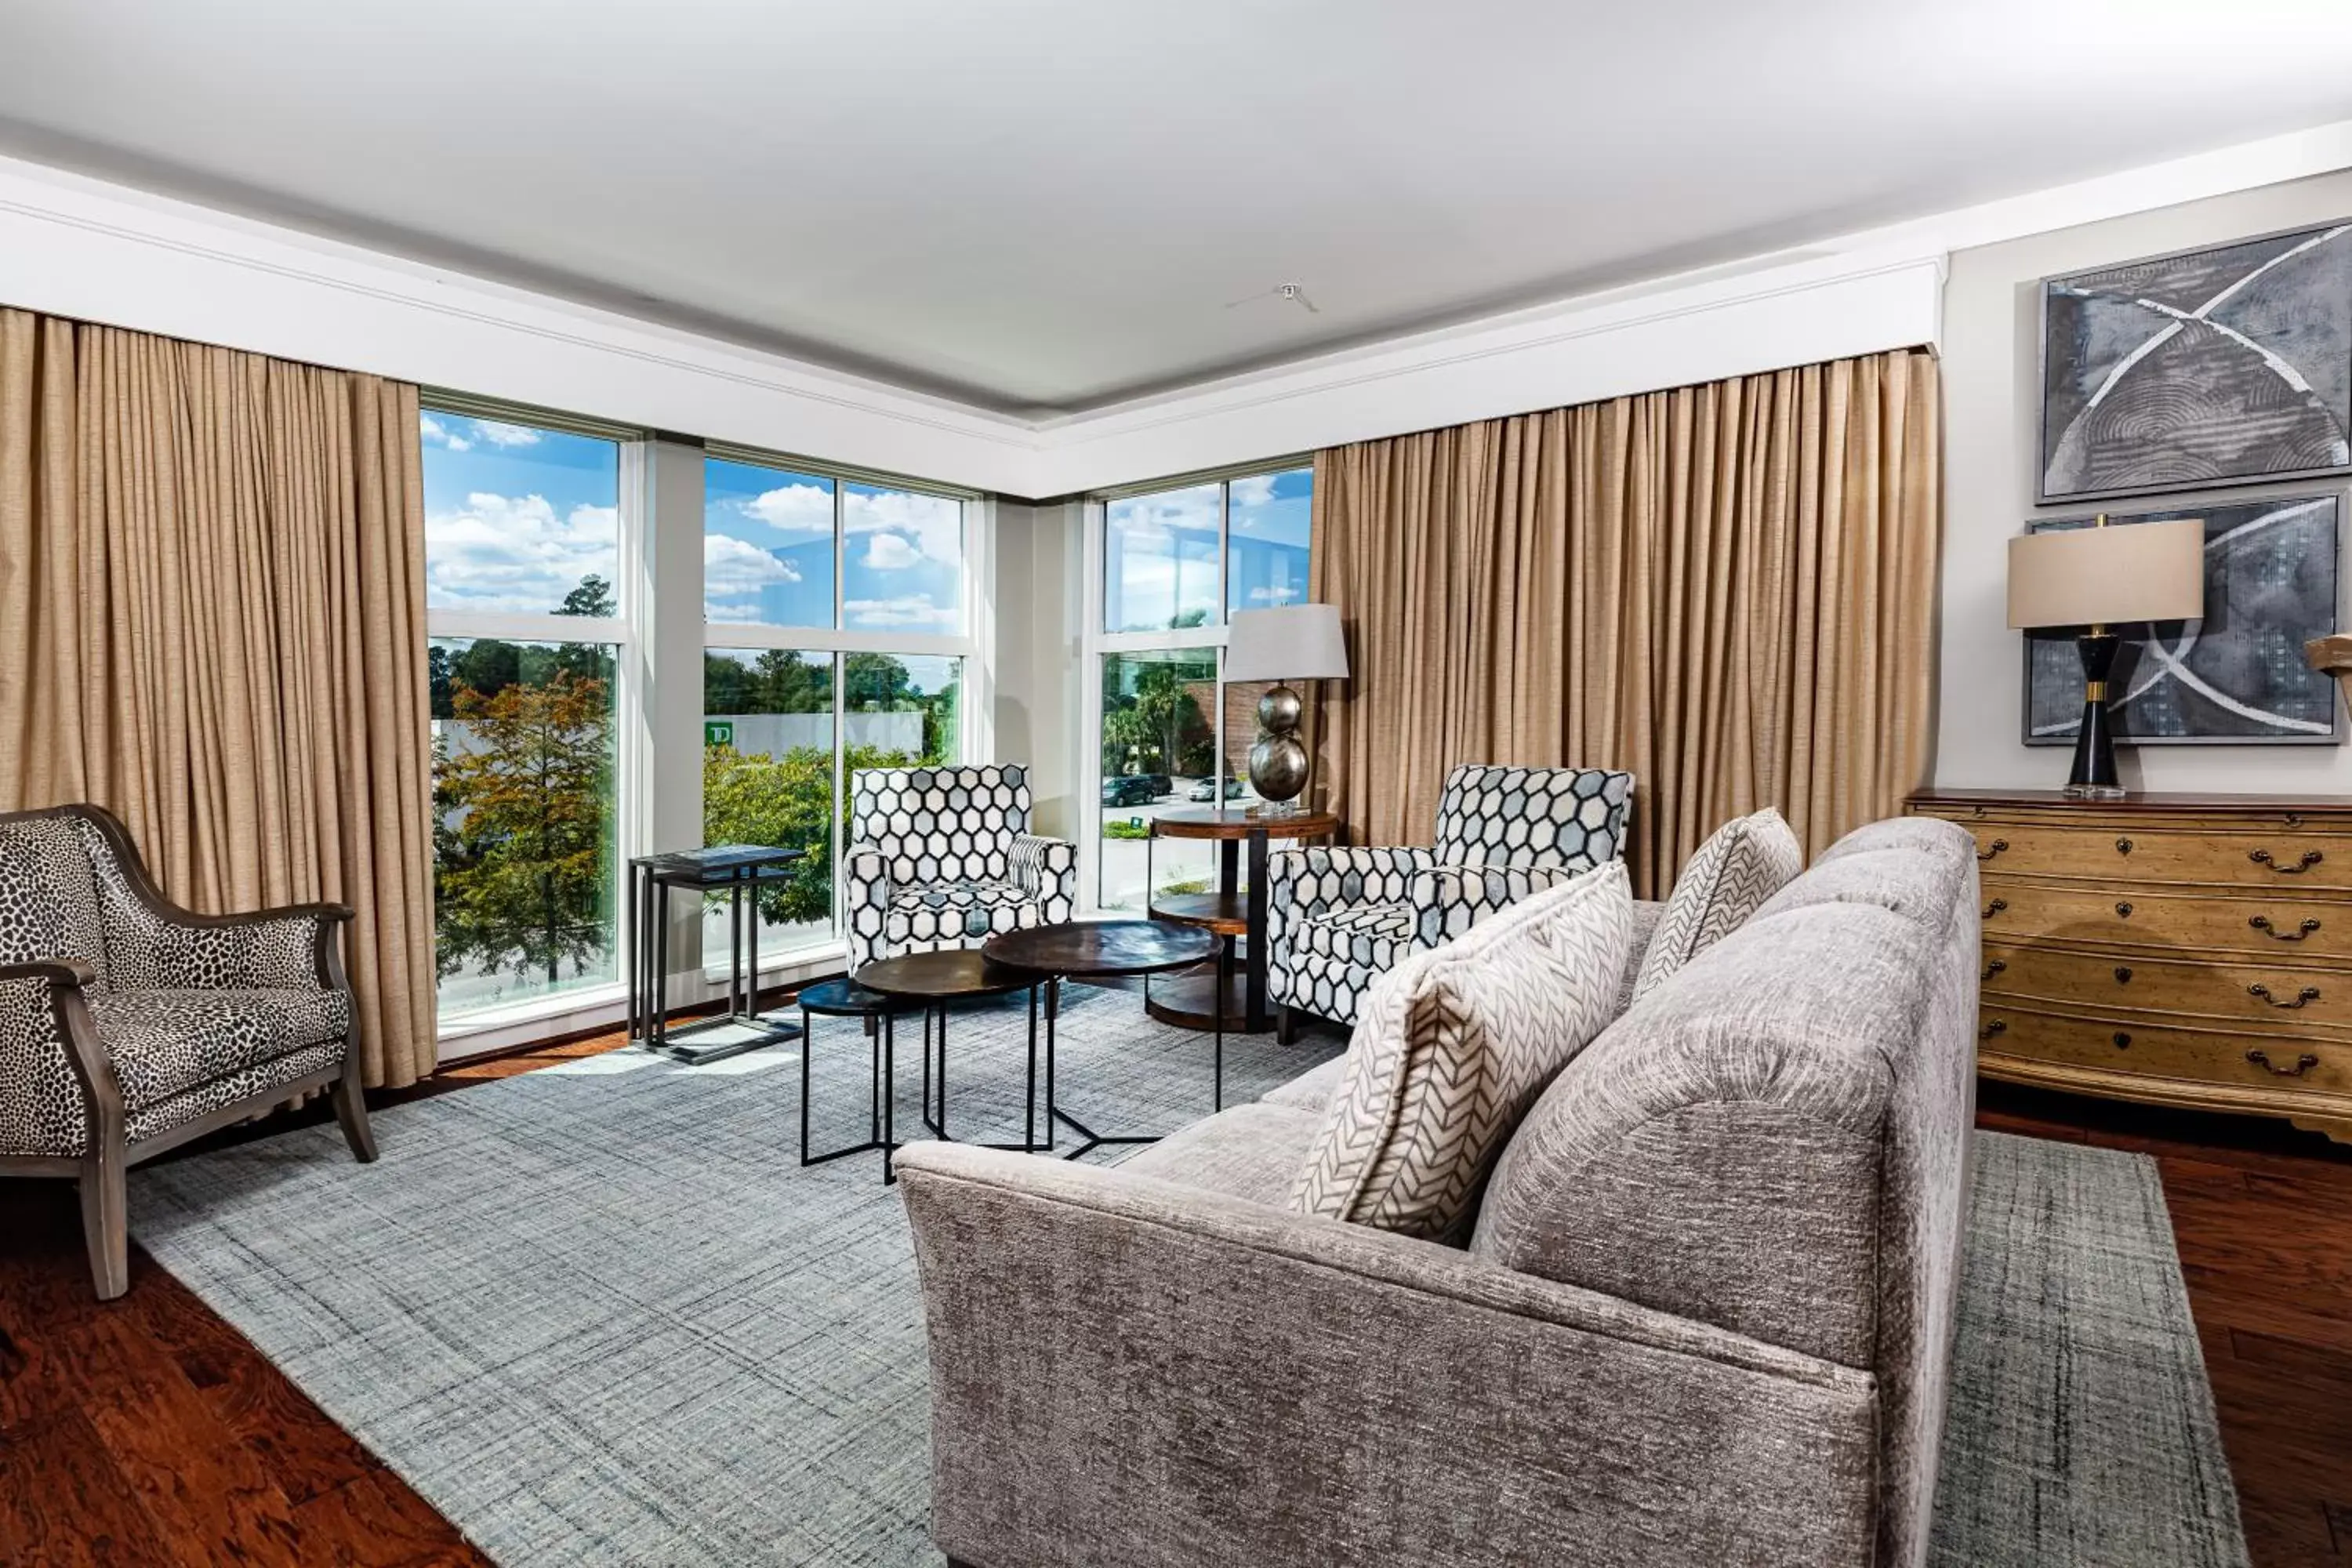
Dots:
pixel 1453 1046
pixel 1746 860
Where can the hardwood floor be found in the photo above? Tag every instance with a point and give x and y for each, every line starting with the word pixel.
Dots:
pixel 150 1432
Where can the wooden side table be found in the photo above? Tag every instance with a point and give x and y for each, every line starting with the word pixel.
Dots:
pixel 1234 998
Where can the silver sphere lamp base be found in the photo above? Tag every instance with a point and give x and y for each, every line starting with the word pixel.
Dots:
pixel 1277 763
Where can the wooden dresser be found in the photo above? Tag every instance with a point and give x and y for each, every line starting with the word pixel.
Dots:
pixel 2183 949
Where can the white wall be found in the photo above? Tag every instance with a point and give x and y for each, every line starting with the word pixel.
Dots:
pixel 1037 562
pixel 1990 360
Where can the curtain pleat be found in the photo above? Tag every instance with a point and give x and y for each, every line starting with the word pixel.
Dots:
pixel 1727 589
pixel 212 622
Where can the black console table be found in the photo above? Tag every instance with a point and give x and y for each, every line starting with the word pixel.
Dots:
pixel 737 870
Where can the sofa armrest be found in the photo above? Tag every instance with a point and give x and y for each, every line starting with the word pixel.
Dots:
pixel 1127 1371
pixel 1049 869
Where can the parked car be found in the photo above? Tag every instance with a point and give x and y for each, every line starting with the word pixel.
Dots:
pixel 1134 789
pixel 1206 789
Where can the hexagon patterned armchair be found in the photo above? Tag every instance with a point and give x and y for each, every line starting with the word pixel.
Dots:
pixel 944 857
pixel 1337 917
pixel 129 1026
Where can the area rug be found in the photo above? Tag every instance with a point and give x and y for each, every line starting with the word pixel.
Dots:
pixel 599 1314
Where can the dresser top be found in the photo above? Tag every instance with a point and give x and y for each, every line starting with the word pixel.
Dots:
pixel 2138 800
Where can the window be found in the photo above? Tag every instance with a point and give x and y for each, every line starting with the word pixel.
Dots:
pixel 834 640
pixel 523 556
pixel 1172 564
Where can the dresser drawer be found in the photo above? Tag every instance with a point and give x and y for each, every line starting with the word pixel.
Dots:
pixel 2246 1059
pixel 2255 995
pixel 2250 857
pixel 2299 932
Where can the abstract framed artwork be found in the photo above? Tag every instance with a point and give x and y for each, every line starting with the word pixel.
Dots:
pixel 2230 364
pixel 2237 677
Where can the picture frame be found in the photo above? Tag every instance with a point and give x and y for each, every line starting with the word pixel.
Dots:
pixel 2214 365
pixel 2236 676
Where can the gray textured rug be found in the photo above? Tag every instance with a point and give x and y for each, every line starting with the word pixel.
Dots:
pixel 599 1315
pixel 2080 1431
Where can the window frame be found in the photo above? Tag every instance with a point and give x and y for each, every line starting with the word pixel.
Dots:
pixel 1095 642
pixel 632 814
pixel 976 686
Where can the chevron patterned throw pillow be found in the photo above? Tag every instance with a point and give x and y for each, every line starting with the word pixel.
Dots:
pixel 1451 1048
pixel 1746 860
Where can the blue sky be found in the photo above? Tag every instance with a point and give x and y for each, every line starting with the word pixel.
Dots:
pixel 515 516
pixel 1161 554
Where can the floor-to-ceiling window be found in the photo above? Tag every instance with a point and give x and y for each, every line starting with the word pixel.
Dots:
pixel 836 632
pixel 1167 567
pixel 523 554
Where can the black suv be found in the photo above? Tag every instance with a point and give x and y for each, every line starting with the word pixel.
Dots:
pixel 1134 789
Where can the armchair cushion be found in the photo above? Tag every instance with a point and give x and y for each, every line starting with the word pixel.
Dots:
pixel 948 914
pixel 164 1042
pixel 1454 1044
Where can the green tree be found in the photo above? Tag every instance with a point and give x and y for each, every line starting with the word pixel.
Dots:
pixel 748 797
pixel 524 862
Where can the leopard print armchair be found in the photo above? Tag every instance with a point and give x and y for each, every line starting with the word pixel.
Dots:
pixel 129 1026
pixel 943 858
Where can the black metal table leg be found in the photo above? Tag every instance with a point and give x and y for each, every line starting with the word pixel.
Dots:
pixel 890 1095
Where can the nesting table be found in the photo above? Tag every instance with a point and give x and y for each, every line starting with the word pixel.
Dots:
pixel 932 981
pixel 734 870
pixel 1104 950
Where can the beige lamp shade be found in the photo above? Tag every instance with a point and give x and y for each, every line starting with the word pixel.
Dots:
pixel 2108 576
pixel 1296 642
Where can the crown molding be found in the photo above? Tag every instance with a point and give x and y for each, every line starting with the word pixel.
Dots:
pixel 76 246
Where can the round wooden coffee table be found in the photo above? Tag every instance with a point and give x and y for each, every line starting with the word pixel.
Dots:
pixel 1227 1000
pixel 934 981
pixel 1104 950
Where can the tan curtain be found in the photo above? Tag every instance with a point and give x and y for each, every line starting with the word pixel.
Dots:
pixel 212 622
pixel 1728 589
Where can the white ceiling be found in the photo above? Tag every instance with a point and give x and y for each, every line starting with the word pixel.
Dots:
pixel 1046 204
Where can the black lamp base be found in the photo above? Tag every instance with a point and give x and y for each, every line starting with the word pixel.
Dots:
pixel 2092 777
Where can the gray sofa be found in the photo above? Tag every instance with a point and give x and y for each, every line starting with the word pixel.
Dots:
pixel 1704 1318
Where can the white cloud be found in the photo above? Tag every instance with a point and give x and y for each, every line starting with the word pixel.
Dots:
pixel 1255 490
pixel 435 434
pixel 795 509
pixel 513 553
pixel 734 571
pixel 1273 595
pixel 499 433
pixel 934 524
pixel 907 610
pixel 890 553
pixel 1150 520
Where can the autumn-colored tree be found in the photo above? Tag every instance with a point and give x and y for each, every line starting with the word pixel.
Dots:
pixel 522 832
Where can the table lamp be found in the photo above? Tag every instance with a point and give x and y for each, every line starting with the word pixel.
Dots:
pixel 2096 579
pixel 1295 642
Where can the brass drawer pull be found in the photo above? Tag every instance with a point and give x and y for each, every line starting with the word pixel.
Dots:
pixel 2263 924
pixel 2262 858
pixel 2123 975
pixel 1995 967
pixel 2303 1064
pixel 1996 846
pixel 2124 909
pixel 1990 1030
pixel 2308 994
pixel 2123 845
pixel 2123 1041
pixel 1995 907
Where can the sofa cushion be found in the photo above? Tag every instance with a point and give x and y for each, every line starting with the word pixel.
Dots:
pixel 1311 1089
pixel 164 1042
pixel 1742 864
pixel 1251 1151
pixel 1452 1047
